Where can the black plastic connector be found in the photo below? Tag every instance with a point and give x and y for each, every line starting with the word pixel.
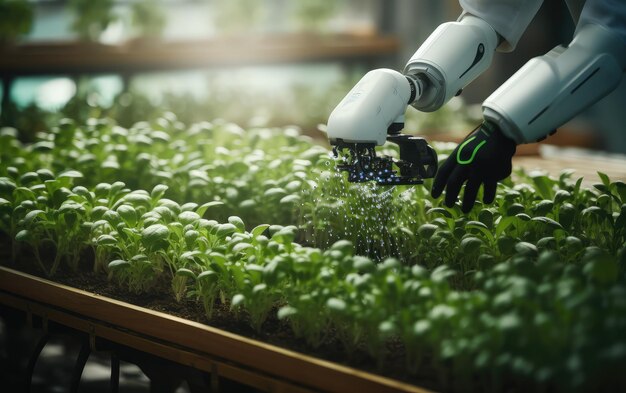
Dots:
pixel 418 161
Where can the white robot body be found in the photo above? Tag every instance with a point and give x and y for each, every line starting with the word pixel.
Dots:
pixel 551 89
pixel 542 95
pixel 379 99
pixel 454 55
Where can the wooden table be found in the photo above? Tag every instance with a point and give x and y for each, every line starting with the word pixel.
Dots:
pixel 585 163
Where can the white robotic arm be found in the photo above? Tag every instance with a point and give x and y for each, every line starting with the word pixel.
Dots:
pixel 453 56
pixel 376 102
pixel 373 111
pixel 551 89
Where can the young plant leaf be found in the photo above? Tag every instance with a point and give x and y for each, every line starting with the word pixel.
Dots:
pixel 286 312
pixel 259 229
pixel 224 230
pixel 23 236
pixel 470 245
pixel 426 231
pixel 237 222
pixel 544 185
pixel 188 217
pixel 155 237
pixel 204 207
pixel 605 179
pixel 71 174
pixel 336 305
pixel 158 191
pixel 548 221
pixel 128 214
pixel 184 272
pixel 106 240
pixel 118 264
pixel 238 300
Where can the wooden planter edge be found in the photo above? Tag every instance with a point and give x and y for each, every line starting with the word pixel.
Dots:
pixel 305 370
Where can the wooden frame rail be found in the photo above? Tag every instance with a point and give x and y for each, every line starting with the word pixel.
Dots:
pixel 203 347
pixel 78 58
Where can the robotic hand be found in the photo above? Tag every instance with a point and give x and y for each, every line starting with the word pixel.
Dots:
pixel 545 93
pixel 484 157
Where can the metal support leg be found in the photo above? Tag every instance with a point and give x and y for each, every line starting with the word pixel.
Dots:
pixel 83 355
pixel 32 361
pixel 199 382
pixel 215 379
pixel 115 373
pixel 164 376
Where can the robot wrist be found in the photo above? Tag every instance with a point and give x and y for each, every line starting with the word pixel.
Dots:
pixel 455 54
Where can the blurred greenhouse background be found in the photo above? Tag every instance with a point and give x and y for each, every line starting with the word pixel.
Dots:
pixel 255 62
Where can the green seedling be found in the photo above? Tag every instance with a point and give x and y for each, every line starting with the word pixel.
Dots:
pixel 470 297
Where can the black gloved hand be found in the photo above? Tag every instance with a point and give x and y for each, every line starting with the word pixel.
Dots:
pixel 484 157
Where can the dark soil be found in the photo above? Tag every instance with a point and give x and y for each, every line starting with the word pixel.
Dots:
pixel 274 331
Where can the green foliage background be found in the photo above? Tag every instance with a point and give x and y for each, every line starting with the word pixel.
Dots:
pixel 16 19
